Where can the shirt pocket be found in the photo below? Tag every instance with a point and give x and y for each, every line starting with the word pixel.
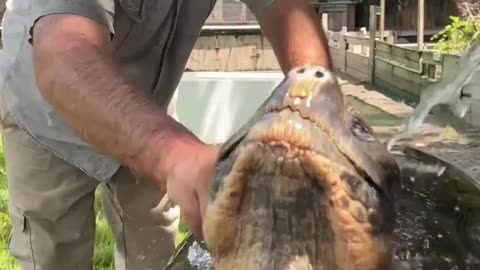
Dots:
pixel 19 241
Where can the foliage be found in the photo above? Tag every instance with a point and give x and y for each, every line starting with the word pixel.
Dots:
pixel 463 31
pixel 458 36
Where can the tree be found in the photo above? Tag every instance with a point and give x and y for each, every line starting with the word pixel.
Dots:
pixel 463 31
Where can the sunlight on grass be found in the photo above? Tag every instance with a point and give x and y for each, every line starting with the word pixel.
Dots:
pixel 103 253
pixel 7 262
pixel 182 233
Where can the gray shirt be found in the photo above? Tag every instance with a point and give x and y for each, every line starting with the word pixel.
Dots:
pixel 152 41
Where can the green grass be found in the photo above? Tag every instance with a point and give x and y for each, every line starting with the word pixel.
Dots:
pixel 103 253
pixel 6 261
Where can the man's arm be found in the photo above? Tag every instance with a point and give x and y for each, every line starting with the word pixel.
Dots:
pixel 76 74
pixel 295 32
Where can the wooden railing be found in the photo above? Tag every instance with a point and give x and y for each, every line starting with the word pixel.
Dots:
pixel 401 69
pixel 398 68
pixel 370 57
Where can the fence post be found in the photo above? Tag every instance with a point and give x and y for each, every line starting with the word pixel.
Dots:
pixel 373 33
pixel 382 20
pixel 420 24
pixel 343 47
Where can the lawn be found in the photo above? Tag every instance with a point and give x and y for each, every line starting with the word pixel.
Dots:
pixel 103 256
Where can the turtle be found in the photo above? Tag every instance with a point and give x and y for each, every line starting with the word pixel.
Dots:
pixel 437 226
pixel 304 184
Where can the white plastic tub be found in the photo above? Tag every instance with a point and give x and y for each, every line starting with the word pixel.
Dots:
pixel 214 105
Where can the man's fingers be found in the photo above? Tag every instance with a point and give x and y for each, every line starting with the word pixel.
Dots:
pixel 186 199
pixel 202 197
pixel 192 219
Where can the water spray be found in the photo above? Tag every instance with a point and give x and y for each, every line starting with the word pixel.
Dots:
pixel 449 92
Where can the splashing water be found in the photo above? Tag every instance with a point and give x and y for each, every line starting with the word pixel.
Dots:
pixel 444 92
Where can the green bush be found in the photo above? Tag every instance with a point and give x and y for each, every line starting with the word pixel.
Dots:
pixel 458 36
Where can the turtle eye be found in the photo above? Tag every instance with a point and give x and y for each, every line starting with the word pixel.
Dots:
pixel 360 129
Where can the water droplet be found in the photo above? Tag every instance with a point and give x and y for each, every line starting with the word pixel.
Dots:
pixel 445 92
pixel 441 170
pixel 457 208
pixel 440 235
pixel 471 259
pixel 412 179
pixel 447 259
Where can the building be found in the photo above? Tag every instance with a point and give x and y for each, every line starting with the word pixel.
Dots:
pixel 400 18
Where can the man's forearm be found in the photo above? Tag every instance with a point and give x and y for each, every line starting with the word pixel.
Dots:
pixel 295 32
pixel 90 93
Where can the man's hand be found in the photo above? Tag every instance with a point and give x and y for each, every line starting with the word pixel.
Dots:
pixel 188 185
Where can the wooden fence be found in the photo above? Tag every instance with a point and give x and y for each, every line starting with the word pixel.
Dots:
pixel 350 54
pixel 224 48
pixel 399 69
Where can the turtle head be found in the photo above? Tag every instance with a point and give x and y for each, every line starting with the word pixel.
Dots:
pixel 304 185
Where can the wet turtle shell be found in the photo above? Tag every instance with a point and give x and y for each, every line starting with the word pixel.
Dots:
pixel 437 225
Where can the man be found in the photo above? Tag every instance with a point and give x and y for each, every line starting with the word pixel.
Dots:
pixel 85 90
